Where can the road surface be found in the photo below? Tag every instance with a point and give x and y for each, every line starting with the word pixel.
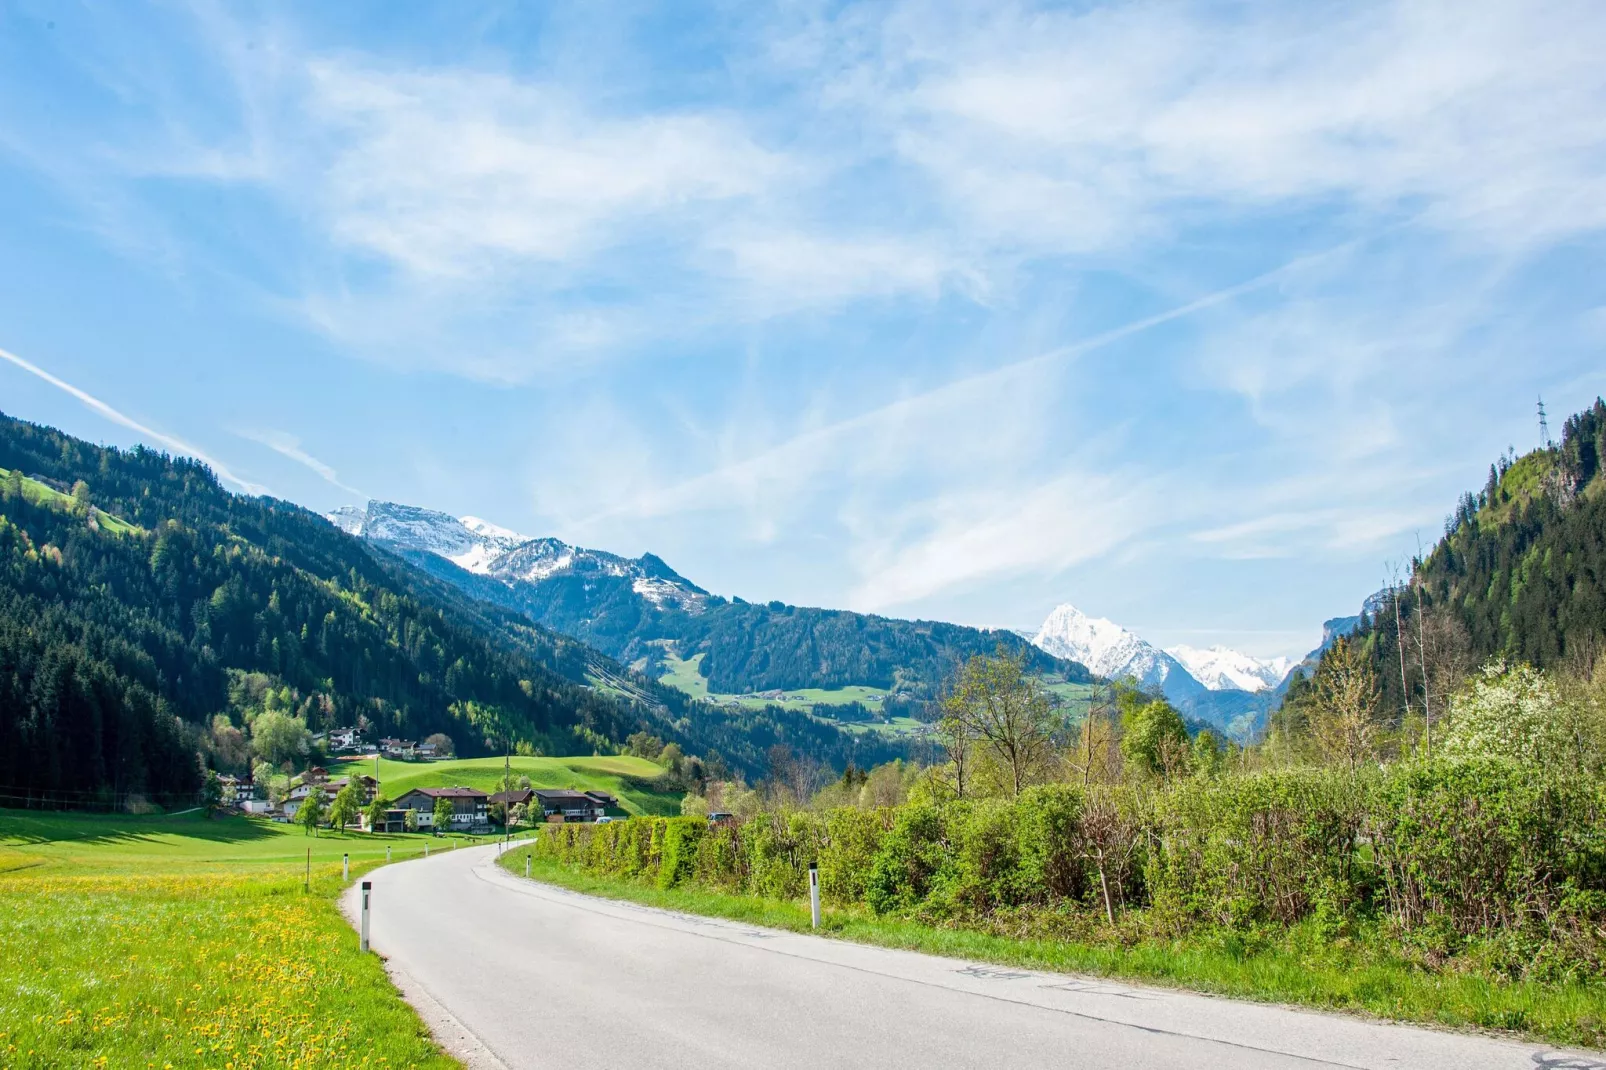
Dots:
pixel 513 973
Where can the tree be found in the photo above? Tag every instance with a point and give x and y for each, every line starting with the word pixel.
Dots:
pixel 995 702
pixel 1344 715
pixel 11 489
pixel 346 806
pixel 644 745
pixel 443 814
pixel 376 812
pixel 1517 712
pixel 278 737
pixel 311 812
pixel 442 744
pixel 211 792
pixel 80 498
pixel 410 820
pixel 1154 739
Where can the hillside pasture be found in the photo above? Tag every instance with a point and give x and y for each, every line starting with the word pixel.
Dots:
pixel 621 775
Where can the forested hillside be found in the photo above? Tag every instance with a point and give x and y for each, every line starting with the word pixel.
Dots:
pixel 136 595
pixel 747 646
pixel 1520 573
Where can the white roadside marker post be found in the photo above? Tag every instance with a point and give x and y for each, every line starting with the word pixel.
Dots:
pixel 367 890
pixel 526 865
pixel 426 848
pixel 814 893
pixel 387 853
pixel 345 867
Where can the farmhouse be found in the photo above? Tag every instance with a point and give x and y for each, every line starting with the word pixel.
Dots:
pixel 468 807
pixel 398 748
pixel 559 806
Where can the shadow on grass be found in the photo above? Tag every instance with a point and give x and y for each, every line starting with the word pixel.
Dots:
pixel 34 827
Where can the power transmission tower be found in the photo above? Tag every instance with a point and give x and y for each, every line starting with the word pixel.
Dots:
pixel 1544 426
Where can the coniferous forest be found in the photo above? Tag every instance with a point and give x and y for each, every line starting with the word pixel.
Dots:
pixel 1520 575
pixel 141 602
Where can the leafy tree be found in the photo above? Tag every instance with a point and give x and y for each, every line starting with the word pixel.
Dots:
pixel 443 814
pixel 443 745
pixel 376 812
pixel 80 498
pixel 410 820
pixel 1517 712
pixel 211 792
pixel 644 745
pixel 11 486
pixel 995 702
pixel 1154 739
pixel 279 738
pixel 311 812
pixel 346 807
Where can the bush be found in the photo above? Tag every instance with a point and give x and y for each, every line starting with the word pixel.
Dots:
pixel 1476 845
pixel 678 860
pixel 1271 846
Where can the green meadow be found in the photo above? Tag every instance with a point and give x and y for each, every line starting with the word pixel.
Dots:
pixel 192 942
pixel 624 776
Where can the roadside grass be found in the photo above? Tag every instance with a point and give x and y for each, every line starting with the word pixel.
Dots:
pixel 622 775
pixel 1357 973
pixel 190 942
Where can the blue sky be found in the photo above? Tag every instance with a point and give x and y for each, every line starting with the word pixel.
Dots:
pixel 1196 315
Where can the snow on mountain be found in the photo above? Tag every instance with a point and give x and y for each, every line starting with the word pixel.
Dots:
pixel 488 549
pixel 1220 668
pixel 1113 652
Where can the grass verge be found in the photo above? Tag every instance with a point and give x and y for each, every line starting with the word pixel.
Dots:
pixel 188 942
pixel 1302 966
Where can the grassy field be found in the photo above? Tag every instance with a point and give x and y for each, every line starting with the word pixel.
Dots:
pixel 44 494
pixel 192 942
pixel 619 775
pixel 1301 966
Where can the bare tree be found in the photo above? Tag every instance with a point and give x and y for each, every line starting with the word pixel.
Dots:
pixel 996 702
pixel 1097 752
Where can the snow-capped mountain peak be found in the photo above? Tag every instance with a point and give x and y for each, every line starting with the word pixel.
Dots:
pixel 1111 651
pixel 487 549
pixel 491 531
pixel 1220 668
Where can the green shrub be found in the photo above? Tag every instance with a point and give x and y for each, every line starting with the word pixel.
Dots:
pixel 681 836
pixel 1476 845
pixel 912 855
pixel 1270 846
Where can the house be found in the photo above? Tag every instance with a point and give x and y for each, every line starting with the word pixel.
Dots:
pixel 509 799
pixel 560 806
pixel 469 807
pixel 608 802
pixel 721 819
pixel 344 739
pixel 256 806
pixel 395 820
pixel 398 748
pixel 427 751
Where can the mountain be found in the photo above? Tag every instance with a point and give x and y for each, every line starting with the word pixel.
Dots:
pixel 1520 573
pixel 1111 651
pixel 1221 669
pixel 139 600
pixel 1224 703
pixel 645 614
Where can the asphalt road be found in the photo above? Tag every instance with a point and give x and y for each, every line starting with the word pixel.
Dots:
pixel 519 974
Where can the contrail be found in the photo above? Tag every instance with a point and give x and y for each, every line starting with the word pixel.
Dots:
pixel 177 445
pixel 668 497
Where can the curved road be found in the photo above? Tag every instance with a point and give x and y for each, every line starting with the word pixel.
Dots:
pixel 512 973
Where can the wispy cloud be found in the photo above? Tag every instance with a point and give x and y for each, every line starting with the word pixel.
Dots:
pixel 287 445
pixel 177 445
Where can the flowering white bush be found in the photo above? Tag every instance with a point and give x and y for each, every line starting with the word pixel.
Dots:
pixel 1511 711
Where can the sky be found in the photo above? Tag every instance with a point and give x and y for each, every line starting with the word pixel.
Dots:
pixel 1199 316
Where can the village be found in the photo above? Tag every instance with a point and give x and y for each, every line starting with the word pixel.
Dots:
pixel 436 810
